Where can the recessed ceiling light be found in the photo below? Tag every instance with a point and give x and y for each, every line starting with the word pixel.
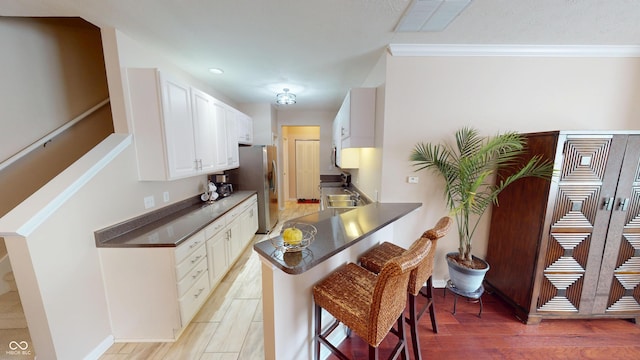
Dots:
pixel 216 71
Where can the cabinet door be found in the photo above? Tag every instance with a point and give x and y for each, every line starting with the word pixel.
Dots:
pixel 254 218
pixel 178 128
pixel 249 219
pixel 337 141
pixel 620 272
pixel 345 117
pixel 232 140
pixel 217 254
pixel 220 116
pixel 236 244
pixel 245 128
pixel 204 130
pixel 587 180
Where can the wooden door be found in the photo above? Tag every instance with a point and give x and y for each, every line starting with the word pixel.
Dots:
pixel 308 169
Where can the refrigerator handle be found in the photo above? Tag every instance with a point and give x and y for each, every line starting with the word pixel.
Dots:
pixel 274 177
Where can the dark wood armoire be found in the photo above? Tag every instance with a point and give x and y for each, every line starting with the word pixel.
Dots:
pixel 570 248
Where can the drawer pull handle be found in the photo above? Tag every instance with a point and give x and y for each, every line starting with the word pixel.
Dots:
pixel 199 292
pixel 196 274
pixel 196 259
pixel 194 244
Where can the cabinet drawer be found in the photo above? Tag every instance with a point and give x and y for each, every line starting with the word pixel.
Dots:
pixel 183 250
pixel 214 228
pixel 190 262
pixel 192 277
pixel 194 298
pixel 233 214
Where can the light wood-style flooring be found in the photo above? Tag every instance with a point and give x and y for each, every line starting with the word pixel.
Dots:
pixel 229 325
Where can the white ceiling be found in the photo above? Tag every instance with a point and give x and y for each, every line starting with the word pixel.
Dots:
pixel 321 48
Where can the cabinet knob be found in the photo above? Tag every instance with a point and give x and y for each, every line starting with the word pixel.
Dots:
pixel 196 274
pixel 199 292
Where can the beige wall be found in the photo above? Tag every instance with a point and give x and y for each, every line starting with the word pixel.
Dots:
pixel 53 72
pixel 57 265
pixel 429 98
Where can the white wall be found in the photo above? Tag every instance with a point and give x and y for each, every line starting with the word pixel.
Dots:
pixel 429 98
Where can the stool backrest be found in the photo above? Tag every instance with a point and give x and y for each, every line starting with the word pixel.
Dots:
pixel 424 270
pixel 390 292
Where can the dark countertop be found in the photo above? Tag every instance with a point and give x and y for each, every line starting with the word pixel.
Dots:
pixel 337 230
pixel 170 226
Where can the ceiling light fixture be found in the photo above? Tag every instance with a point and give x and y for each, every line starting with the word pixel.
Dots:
pixel 216 71
pixel 286 98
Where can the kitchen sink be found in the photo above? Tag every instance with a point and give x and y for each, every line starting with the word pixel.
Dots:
pixel 341 197
pixel 344 201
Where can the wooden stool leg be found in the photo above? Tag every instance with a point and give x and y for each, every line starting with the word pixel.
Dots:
pixel 413 325
pixel 316 340
pixel 373 353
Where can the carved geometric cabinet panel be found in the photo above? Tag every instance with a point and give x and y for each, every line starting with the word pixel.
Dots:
pixel 578 247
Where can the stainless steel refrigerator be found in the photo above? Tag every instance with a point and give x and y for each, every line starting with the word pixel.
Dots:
pixel 259 171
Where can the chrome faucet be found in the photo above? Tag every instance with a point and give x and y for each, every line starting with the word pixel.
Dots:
pixel 354 194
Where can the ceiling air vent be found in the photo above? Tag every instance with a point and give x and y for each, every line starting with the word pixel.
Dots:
pixel 430 15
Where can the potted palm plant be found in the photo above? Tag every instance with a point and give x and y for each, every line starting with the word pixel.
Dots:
pixel 467 167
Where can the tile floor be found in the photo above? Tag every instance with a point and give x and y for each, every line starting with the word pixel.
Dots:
pixel 229 325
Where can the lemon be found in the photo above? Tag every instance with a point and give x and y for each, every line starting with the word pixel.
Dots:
pixel 292 236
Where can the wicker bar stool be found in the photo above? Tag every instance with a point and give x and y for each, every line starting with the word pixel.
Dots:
pixel 375 259
pixel 368 304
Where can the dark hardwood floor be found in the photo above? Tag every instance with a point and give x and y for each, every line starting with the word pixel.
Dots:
pixel 499 335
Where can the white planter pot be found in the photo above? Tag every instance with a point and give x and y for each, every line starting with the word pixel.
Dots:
pixel 463 278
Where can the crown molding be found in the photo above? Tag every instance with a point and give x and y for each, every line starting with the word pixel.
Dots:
pixel 515 50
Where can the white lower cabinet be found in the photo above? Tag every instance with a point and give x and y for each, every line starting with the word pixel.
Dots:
pixel 154 293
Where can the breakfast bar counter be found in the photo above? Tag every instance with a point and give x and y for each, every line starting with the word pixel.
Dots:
pixel 337 230
pixel 288 278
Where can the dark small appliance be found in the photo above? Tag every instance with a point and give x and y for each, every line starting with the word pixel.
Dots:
pixel 224 189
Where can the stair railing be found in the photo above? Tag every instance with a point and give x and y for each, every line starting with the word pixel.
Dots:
pixel 45 139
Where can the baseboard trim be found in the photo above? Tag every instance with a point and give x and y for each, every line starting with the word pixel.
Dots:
pixel 99 350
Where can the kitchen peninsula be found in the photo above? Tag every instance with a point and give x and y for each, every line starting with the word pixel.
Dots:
pixel 288 278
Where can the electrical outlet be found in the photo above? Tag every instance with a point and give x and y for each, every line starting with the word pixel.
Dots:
pixel 165 196
pixel 412 179
pixel 149 202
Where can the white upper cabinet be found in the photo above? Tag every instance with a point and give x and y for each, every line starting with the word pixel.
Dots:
pixel 233 153
pixel 357 118
pixel 220 111
pixel 205 127
pixel 245 128
pixel 179 130
pixel 354 125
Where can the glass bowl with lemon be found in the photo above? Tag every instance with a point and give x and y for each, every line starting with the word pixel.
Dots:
pixel 294 237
